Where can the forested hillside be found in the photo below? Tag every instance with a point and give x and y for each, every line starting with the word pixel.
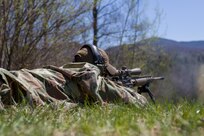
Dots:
pixel 181 63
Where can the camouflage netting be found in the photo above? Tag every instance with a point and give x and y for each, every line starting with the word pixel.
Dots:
pixel 70 85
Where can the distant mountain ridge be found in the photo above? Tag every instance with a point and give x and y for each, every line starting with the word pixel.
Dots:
pixel 180 44
pixel 167 44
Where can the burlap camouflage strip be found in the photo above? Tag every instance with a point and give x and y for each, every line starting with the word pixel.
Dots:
pixel 70 84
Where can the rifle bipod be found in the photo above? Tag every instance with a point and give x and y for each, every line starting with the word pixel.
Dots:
pixel 145 89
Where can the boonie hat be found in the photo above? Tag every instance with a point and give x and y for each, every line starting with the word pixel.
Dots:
pixel 85 54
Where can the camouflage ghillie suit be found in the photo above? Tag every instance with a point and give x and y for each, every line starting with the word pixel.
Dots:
pixel 70 84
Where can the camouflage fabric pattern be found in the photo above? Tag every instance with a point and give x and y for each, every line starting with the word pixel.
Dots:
pixel 85 54
pixel 69 85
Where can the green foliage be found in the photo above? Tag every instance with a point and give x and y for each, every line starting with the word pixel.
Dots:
pixel 184 118
pixel 151 59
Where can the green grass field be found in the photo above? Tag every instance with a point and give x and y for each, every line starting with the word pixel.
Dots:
pixel 183 118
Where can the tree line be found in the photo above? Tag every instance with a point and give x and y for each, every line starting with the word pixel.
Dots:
pixel 37 32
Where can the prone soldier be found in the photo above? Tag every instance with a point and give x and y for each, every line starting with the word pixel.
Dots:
pixel 90 78
pixel 92 54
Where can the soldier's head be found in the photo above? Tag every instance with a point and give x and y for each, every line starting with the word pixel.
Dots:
pixel 92 54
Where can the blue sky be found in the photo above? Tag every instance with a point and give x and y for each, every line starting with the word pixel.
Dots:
pixel 182 20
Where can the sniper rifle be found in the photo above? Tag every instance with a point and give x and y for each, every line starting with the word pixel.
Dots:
pixel 130 78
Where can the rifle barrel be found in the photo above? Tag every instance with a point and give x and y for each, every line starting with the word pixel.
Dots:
pixel 140 81
pixel 158 78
